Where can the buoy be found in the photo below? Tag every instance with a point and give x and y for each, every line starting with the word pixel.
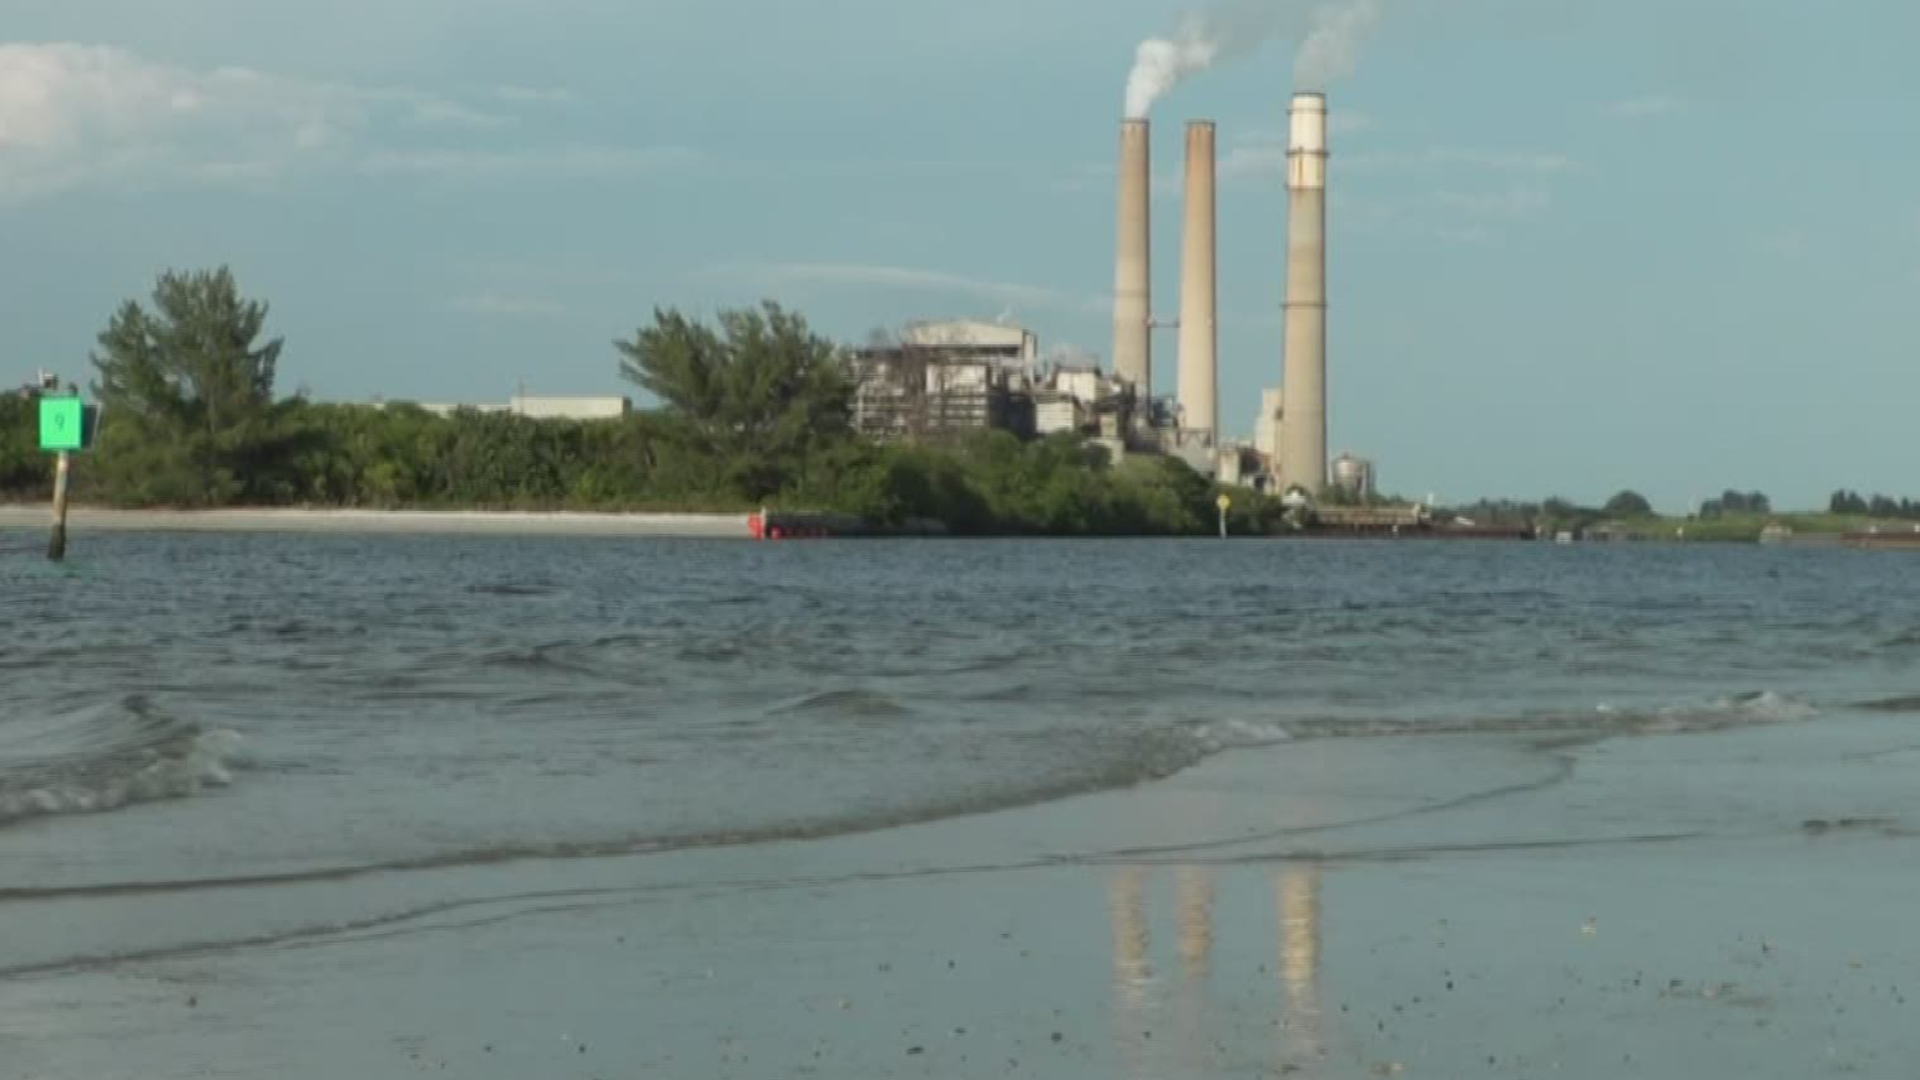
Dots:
pixel 755 526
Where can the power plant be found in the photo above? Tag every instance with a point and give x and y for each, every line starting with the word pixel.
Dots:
pixel 948 376
pixel 1294 454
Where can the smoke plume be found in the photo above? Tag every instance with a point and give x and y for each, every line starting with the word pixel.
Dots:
pixel 1332 48
pixel 1329 34
pixel 1161 63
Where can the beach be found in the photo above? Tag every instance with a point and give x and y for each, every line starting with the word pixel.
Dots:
pixel 402 522
pixel 1404 910
pixel 495 806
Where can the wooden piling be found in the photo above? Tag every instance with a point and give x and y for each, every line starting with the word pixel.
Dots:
pixel 62 470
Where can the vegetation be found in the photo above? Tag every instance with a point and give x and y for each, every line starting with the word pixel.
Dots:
pixel 1879 506
pixel 1629 504
pixel 1734 503
pixel 755 410
pixel 23 469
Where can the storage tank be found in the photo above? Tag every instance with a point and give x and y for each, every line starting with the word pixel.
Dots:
pixel 1353 475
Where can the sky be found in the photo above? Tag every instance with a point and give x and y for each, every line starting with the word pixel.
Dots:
pixel 1667 245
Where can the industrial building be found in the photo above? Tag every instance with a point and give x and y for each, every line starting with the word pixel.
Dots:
pixel 543 408
pixel 948 377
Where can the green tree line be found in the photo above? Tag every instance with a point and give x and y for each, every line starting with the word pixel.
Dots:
pixel 1879 506
pixel 754 409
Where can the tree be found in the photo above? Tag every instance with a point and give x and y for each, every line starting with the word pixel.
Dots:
pixel 23 468
pixel 1846 502
pixel 186 390
pixel 756 399
pixel 1629 504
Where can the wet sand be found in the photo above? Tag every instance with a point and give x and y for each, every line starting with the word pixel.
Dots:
pixel 1714 905
pixel 462 522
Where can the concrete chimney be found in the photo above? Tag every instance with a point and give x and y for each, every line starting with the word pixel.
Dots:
pixel 1199 374
pixel 1132 300
pixel 1303 428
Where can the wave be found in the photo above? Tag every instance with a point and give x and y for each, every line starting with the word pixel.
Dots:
pixel 132 753
pixel 848 704
pixel 1718 714
pixel 511 588
pixel 107 758
pixel 1908 703
pixel 572 660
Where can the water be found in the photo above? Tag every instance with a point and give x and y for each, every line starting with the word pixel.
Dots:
pixel 210 708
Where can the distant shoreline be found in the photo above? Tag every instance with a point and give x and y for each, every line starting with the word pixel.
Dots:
pixel 405 522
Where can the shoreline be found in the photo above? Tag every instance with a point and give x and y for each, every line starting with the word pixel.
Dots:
pixel 401 522
pixel 1334 909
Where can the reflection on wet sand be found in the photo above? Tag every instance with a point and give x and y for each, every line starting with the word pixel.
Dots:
pixel 1301 1025
pixel 1196 921
pixel 1298 892
pixel 1132 971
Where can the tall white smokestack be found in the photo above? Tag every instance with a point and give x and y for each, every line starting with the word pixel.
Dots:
pixel 1199 394
pixel 1132 358
pixel 1303 429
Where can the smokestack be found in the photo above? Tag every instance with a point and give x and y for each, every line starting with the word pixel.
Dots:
pixel 1131 299
pixel 1303 429
pixel 1199 395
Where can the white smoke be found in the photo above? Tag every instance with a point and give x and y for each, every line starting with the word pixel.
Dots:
pixel 1161 63
pixel 1329 34
pixel 1332 49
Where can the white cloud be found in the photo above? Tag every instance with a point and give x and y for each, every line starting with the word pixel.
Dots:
pixel 1513 203
pixel 1248 161
pixel 1262 156
pixel 1520 161
pixel 903 278
pixel 434 112
pixel 492 304
pixel 532 95
pixel 1346 121
pixel 74 116
pixel 577 161
pixel 1640 108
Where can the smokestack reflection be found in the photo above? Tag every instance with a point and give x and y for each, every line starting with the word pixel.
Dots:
pixel 1297 889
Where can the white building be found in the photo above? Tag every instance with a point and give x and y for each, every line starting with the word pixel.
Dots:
pixel 975 339
pixel 544 408
pixel 1266 427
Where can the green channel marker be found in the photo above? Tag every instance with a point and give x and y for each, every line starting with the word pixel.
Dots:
pixel 62 424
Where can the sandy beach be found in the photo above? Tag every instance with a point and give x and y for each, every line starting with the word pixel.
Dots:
pixel 425 522
pixel 1446 907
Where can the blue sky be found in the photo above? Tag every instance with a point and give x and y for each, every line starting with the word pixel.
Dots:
pixel 1666 244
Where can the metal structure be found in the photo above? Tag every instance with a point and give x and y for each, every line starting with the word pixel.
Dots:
pixel 1303 432
pixel 915 391
pixel 1353 475
pixel 1199 338
pixel 1132 288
